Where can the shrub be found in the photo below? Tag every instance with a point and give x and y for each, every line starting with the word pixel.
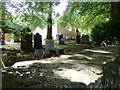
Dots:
pixel 108 32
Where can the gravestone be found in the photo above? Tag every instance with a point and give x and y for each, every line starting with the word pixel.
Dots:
pixel 85 39
pixel 26 42
pixel 7 37
pixel 16 39
pixel 38 44
pixel 77 37
pixel 61 51
pixel 49 44
pixel 60 38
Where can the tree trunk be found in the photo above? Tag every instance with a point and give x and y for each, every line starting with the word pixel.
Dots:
pixel 49 28
pixel 115 15
pixel 2 21
pixel 115 10
pixel 49 40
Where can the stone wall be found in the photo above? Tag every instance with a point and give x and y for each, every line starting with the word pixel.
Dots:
pixel 111 75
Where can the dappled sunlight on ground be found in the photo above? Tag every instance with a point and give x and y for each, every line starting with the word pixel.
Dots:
pixel 65 56
pixel 97 51
pixel 83 56
pixel 67 68
pixel 74 75
pixel 83 66
pixel 28 63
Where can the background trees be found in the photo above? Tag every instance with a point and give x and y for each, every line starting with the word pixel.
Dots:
pixel 85 15
pixel 82 15
pixel 20 15
pixel 98 19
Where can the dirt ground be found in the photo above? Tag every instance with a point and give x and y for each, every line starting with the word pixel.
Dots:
pixel 76 69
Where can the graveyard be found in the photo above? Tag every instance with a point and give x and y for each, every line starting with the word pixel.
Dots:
pixel 43 48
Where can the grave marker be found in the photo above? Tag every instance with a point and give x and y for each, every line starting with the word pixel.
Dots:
pixel 60 38
pixel 26 42
pixel 38 44
pixel 85 39
pixel 78 37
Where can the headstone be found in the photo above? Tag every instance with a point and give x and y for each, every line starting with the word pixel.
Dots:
pixel 78 37
pixel 60 38
pixel 26 42
pixel 7 37
pixel 16 39
pixel 38 44
pixel 103 43
pixel 85 39
pixel 49 44
pixel 61 51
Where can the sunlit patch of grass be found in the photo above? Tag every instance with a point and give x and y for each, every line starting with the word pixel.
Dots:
pixel 70 42
pixel 64 47
pixel 11 46
pixel 97 61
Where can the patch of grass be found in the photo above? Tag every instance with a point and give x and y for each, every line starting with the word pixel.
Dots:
pixel 11 46
pixel 70 42
pixel 64 47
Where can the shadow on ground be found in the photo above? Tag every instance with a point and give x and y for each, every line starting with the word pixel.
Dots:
pixel 38 76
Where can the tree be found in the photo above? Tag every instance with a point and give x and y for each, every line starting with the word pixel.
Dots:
pixel 85 15
pixel 108 31
pixel 37 14
pixel 115 15
pixel 47 9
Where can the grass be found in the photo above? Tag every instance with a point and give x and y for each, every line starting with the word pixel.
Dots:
pixel 3 63
pixel 63 47
pixel 69 44
pixel 11 46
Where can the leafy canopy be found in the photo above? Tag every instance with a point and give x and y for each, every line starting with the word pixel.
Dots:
pixel 85 15
pixel 26 14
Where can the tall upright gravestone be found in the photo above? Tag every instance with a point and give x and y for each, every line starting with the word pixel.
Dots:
pixel 26 41
pixel 78 37
pixel 38 44
pixel 60 37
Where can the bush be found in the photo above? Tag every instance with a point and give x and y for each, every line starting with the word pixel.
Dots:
pixel 108 32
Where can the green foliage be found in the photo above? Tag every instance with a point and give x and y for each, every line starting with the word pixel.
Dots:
pixel 28 14
pixel 8 22
pixel 85 15
pixel 108 32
